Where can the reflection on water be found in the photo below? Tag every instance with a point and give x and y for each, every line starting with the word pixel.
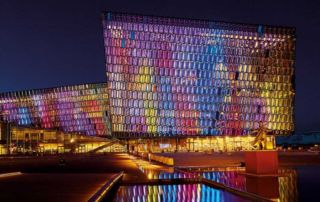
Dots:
pixel 288 188
pixel 231 177
pixel 173 193
pixel 158 172
pixel 283 187
pixel 308 182
pixel 154 175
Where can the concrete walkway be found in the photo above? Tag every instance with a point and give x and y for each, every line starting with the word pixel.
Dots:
pixel 51 187
pixel 43 179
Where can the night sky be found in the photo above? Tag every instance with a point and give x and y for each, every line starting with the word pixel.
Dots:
pixel 48 43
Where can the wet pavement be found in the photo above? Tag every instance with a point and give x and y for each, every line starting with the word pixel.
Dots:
pixel 51 186
pixel 45 179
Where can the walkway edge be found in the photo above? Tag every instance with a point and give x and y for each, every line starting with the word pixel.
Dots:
pixel 105 188
pixel 10 174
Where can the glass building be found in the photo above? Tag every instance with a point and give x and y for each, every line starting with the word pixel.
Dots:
pixel 79 109
pixel 170 77
pixel 207 84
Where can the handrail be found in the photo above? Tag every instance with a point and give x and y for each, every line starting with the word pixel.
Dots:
pixel 105 189
pixel 104 146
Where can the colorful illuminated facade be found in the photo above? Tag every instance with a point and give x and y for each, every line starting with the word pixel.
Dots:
pixel 170 77
pixel 79 109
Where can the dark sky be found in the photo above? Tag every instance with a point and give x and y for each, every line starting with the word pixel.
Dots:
pixel 48 43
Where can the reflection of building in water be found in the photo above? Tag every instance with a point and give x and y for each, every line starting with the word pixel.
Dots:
pixel 288 188
pixel 230 178
pixel 283 187
pixel 179 193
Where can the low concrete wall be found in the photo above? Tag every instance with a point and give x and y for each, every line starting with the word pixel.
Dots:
pixel 154 157
pixel 162 159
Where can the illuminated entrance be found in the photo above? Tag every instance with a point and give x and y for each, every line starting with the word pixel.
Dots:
pixel 195 144
pixel 23 140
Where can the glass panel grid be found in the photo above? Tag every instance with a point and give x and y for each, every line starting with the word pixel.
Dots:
pixel 170 77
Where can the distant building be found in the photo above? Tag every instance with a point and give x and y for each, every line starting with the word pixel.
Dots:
pixel 306 138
